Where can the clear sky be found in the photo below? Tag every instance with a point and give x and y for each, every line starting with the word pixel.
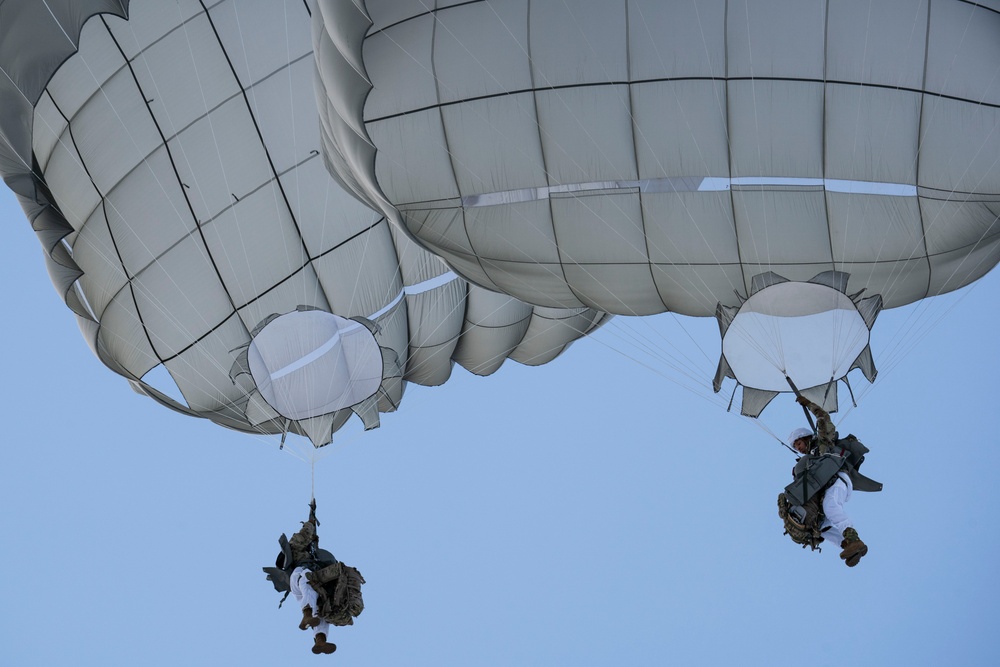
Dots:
pixel 588 512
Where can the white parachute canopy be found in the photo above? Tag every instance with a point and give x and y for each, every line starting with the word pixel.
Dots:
pixel 170 159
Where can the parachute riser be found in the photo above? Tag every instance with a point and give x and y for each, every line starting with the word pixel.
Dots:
pixel 791 384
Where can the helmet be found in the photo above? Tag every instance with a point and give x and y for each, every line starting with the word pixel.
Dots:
pixel 798 433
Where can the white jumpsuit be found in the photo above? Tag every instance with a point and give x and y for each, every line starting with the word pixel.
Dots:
pixel 836 520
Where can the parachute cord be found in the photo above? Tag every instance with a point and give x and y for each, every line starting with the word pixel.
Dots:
pixel 312 477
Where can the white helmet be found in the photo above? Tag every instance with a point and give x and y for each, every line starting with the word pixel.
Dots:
pixel 798 433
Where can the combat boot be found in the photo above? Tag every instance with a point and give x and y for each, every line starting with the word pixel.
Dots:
pixel 308 620
pixel 322 646
pixel 853 547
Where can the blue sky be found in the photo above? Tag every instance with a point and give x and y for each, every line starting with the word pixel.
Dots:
pixel 588 512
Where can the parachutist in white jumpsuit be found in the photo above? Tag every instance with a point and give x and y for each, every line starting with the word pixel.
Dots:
pixel 303 545
pixel 837 526
pixel 327 590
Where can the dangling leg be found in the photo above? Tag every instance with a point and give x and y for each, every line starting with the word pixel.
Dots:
pixel 853 549
pixel 306 596
pixel 320 644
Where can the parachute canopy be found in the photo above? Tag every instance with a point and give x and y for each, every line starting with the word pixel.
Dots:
pixel 172 166
pixel 646 156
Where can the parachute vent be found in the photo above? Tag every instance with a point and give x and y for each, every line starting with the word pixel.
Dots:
pixel 811 332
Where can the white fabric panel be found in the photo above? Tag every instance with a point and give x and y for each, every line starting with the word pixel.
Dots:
pixel 779 38
pixel 495 144
pixel 100 133
pixel 586 134
pixel 340 274
pixel 261 35
pixel 776 128
pixel 185 74
pixel 776 227
pixel 399 65
pixel 899 282
pixel 549 332
pixel 695 290
pixel 663 44
pixel 467 37
pixel 94 252
pixel 599 229
pixel 871 228
pixel 301 288
pixel 48 127
pixel 951 156
pixel 151 21
pixel 180 298
pixel 683 128
pixel 201 156
pixel 421 169
pixel 620 288
pixel 80 78
pixel 877 42
pixel 494 324
pixel 963 52
pixel 435 302
pixel 435 322
pixel 520 232
pixel 955 223
pixel 251 257
pixel 326 214
pixel 595 35
pixel 539 283
pixel 445 225
pixel 690 228
pixel 872 134
pixel 287 123
pixel 150 186
pixel 68 181
pixel 121 336
pixel 388 12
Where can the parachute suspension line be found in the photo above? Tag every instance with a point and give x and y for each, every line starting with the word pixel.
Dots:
pixel 829 385
pixel 312 478
pixel 284 433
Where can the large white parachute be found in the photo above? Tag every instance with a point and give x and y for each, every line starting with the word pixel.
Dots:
pixel 171 164
pixel 640 156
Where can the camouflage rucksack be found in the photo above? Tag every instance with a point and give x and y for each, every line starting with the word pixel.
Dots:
pixel 339 588
pixel 802 521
